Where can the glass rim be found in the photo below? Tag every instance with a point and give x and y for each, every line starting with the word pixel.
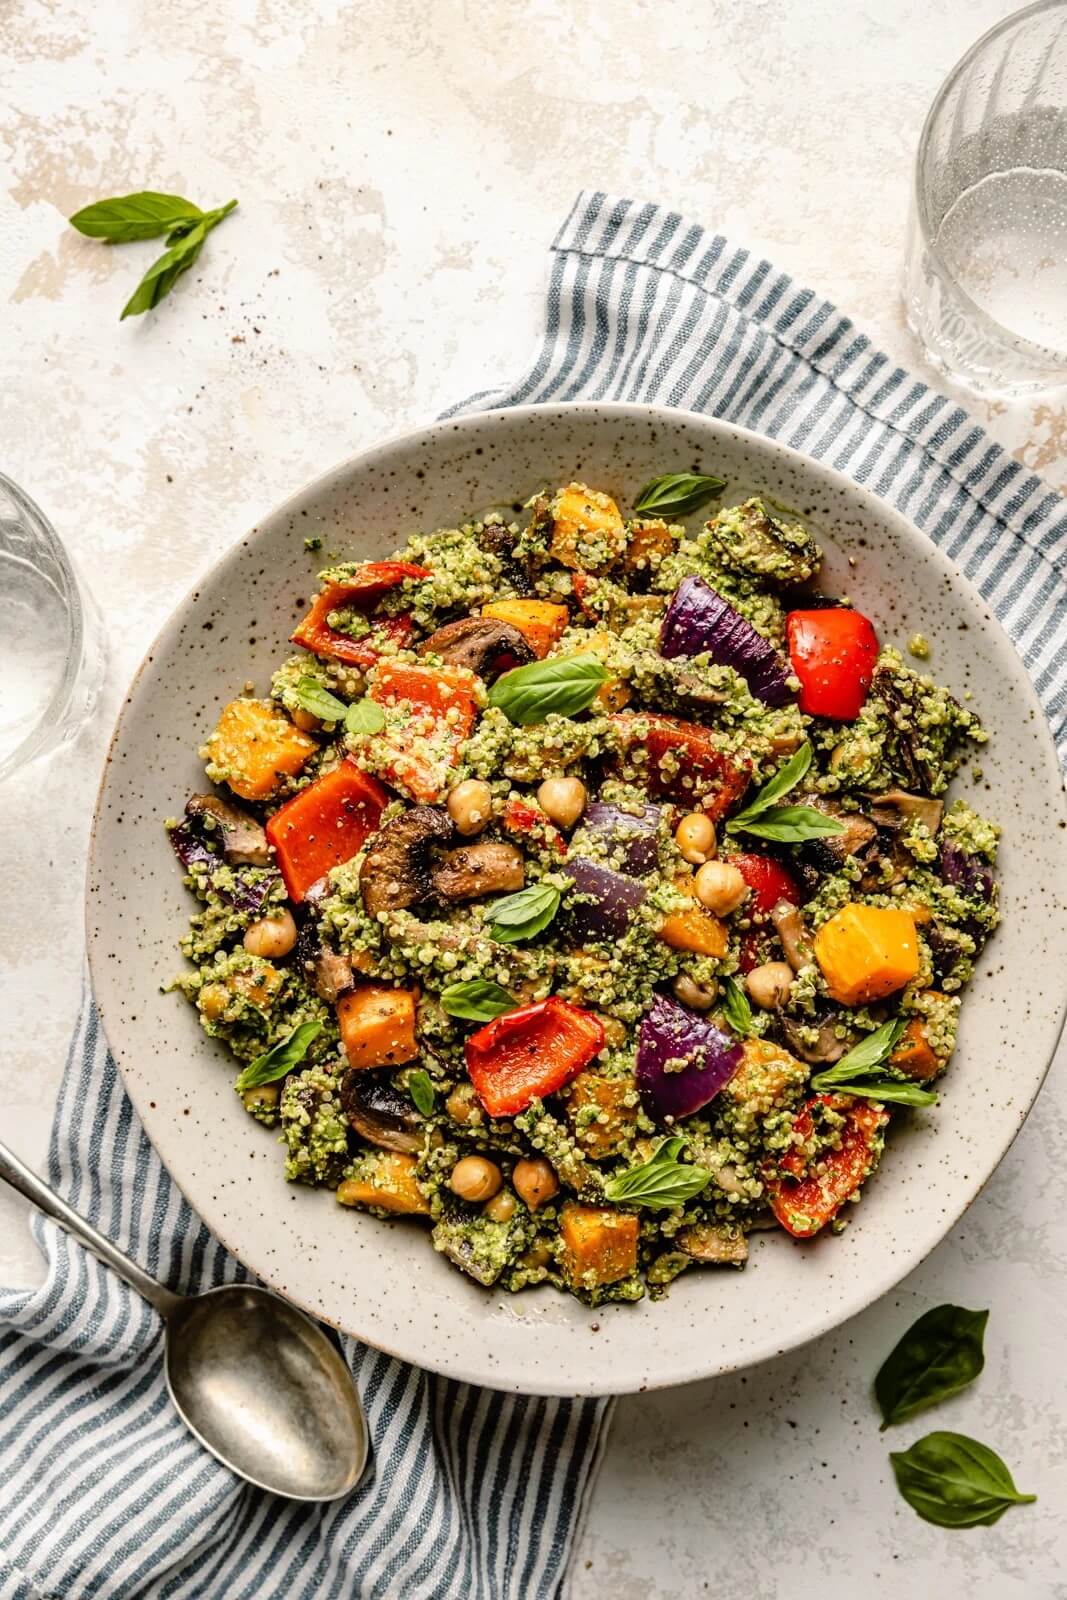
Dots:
pixel 52 714
pixel 1016 341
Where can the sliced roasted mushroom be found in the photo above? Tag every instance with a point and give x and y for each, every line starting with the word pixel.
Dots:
pixel 714 1245
pixel 474 870
pixel 827 1047
pixel 244 844
pixel 380 1112
pixel 483 644
pixel 896 808
pixel 833 850
pixel 396 870
pixel 796 941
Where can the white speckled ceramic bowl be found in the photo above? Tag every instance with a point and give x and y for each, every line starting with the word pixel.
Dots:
pixel 382 1281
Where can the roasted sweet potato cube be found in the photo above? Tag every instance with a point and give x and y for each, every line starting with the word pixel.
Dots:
pixel 377 1026
pixel 599 1113
pixel 255 746
pixel 766 1075
pixel 386 1182
pixel 650 540
pixel 599 1245
pixel 587 529
pixel 541 622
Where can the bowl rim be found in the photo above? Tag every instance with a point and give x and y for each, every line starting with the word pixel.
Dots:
pixel 907 1259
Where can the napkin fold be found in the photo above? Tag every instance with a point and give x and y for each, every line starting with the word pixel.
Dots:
pixel 471 1493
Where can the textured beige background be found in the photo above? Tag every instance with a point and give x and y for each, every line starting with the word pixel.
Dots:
pixel 401 170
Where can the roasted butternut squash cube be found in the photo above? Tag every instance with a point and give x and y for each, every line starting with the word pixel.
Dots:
pixel 867 952
pixel 694 929
pixel 541 622
pixel 588 532
pixel 385 1182
pixel 254 747
pixel 377 1026
pixel 599 1113
pixel 599 1245
pixel 766 1076
pixel 650 540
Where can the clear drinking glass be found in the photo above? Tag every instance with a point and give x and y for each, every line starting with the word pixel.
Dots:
pixel 51 643
pixel 986 278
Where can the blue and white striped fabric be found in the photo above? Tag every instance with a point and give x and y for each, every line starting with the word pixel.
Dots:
pixel 473 1494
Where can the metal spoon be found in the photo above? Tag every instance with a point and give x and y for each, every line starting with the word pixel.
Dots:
pixel 257 1382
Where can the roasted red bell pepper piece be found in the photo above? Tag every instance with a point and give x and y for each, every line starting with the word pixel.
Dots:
pixel 531 1052
pixel 325 824
pixel 768 881
pixel 429 712
pixel 833 652
pixel 524 821
pixel 805 1201
pixel 682 762
pixel 361 592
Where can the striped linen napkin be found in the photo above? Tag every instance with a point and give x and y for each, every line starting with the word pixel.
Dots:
pixel 472 1494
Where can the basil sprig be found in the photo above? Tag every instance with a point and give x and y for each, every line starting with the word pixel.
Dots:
pixel 147 215
pixel 420 1088
pixel 765 819
pixel 939 1355
pixel 677 494
pixel 660 1183
pixel 859 1071
pixel 955 1482
pixel 311 696
pixel 522 915
pixel 364 716
pixel 564 685
pixel 281 1058
pixel 477 1000
pixel 735 1007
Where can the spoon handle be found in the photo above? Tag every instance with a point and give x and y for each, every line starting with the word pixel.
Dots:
pixel 26 1181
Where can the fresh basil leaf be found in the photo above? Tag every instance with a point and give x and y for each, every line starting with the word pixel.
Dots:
pixel 955 1482
pixel 522 915
pixel 135 216
pixel 787 777
pixel 677 494
pixel 420 1088
pixel 866 1056
pixel 735 1007
pixel 939 1355
pixel 317 701
pixel 660 1183
pixel 891 1091
pixel 163 274
pixel 565 685
pixel 787 824
pixel 281 1058
pixel 478 1000
pixel 364 716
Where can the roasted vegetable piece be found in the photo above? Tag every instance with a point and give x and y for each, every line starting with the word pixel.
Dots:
pixel 914 1055
pixel 529 823
pixel 650 539
pixel 485 645
pixel 680 762
pixel 360 592
pixel 630 836
pixel 599 1245
pixel 243 841
pixel 255 746
pixel 833 851
pixel 429 713
pixel 833 652
pixel 753 540
pixel 541 622
pixel 808 1201
pixel 396 869
pixel 475 870
pixel 385 1181
pixel 672 1034
pixel 377 1026
pixel 700 622
pixel 766 1077
pixel 715 1244
pixel 695 930
pixel 530 1052
pixel 325 825
pixel 381 1112
pixel 768 882
pixel 867 952
pixel 602 902
pixel 602 1112
pixel 587 529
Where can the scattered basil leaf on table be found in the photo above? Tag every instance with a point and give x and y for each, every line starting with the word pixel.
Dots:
pixel 735 1007
pixel 677 494
pixel 522 915
pixel 765 819
pixel 135 216
pixel 565 685
pixel 281 1058
pixel 955 1482
pixel 364 716
pixel 939 1355
pixel 478 1000
pixel 660 1183
pixel 420 1088
pixel 317 701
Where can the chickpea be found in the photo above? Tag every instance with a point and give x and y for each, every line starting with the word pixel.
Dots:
pixel 535 1181
pixel 695 838
pixel 214 998
pixel 474 1178
pixel 271 937
pixel 700 996
pixel 263 1097
pixel 501 1208
pixel 770 984
pixel 470 805
pixel 462 1103
pixel 305 721
pixel 563 800
pixel 720 887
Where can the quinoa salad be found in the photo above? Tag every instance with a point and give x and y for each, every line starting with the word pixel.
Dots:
pixel 585 889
